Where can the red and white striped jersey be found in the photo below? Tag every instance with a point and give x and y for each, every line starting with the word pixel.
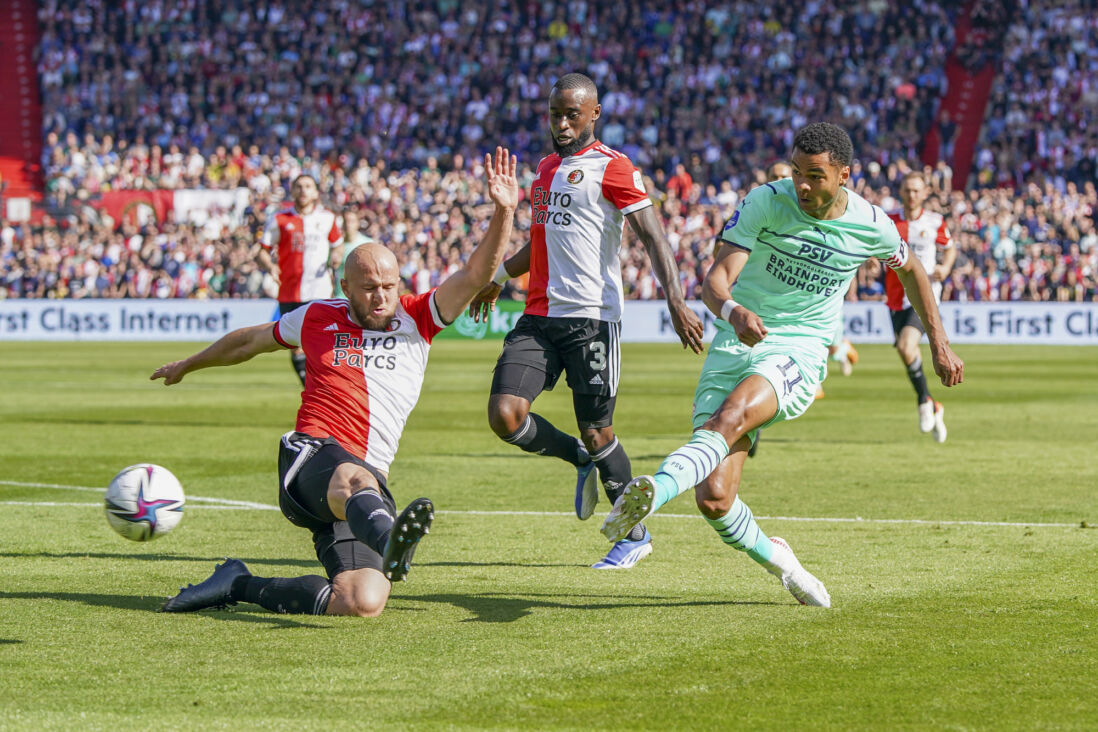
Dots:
pixel 361 385
pixel 579 204
pixel 925 235
pixel 304 242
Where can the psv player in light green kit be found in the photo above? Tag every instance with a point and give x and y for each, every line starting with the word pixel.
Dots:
pixel 791 248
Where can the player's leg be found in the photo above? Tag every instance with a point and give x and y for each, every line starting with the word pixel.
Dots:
pixel 593 413
pixel 232 582
pixel 529 365
pixel 841 350
pixel 718 500
pixel 750 405
pixel 297 356
pixel 717 495
pixel 358 495
pixel 909 333
pixel 297 362
pixel 591 353
pixel 358 586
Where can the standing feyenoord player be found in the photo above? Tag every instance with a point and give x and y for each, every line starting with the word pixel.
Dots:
pixel 580 199
pixel 306 240
pixel 926 233
pixel 366 360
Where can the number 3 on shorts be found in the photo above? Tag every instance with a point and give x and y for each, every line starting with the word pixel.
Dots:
pixel 598 355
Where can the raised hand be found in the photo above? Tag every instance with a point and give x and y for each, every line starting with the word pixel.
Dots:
pixel 502 182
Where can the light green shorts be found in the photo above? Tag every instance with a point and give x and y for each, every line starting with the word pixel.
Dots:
pixel 794 370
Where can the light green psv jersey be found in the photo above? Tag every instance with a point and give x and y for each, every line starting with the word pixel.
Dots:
pixel 800 268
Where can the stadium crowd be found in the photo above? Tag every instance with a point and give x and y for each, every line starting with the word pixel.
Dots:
pixel 390 105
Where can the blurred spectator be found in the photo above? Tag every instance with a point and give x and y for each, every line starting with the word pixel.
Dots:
pixel 384 104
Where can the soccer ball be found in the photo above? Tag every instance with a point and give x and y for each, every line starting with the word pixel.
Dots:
pixel 144 501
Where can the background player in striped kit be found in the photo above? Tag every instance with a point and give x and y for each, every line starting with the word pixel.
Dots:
pixel 927 234
pixel 308 246
pixel 581 196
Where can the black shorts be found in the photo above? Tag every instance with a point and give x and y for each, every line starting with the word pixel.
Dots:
pixel 539 349
pixel 289 307
pixel 903 318
pixel 305 467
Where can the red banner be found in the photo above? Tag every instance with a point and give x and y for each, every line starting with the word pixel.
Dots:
pixel 136 207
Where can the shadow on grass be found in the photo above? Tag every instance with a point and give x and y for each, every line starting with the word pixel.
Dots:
pixel 499 564
pixel 152 604
pixel 520 455
pixel 310 563
pixel 494 607
pixel 9 641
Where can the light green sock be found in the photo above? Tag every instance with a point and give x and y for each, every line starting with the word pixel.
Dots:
pixel 738 529
pixel 689 465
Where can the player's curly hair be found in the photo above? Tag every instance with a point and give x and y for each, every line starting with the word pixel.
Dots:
pixel 820 137
pixel 576 80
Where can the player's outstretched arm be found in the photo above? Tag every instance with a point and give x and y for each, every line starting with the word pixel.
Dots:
pixel 232 348
pixel 949 367
pixel 687 324
pixel 716 295
pixel 485 300
pixel 455 294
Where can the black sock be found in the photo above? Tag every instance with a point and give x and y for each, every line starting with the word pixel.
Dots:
pixel 538 436
pixel 370 518
pixel 918 380
pixel 306 595
pixel 297 360
pixel 614 468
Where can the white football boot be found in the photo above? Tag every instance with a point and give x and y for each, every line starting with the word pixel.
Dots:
pixel 926 415
pixel 801 584
pixel 939 423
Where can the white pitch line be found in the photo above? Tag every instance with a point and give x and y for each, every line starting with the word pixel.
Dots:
pixel 201 499
pixel 226 503
pixel 100 505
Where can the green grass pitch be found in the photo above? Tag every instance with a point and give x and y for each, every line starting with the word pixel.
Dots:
pixel 936 624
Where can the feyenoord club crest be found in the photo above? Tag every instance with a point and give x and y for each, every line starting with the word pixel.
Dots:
pixel 394 324
pixel 575 176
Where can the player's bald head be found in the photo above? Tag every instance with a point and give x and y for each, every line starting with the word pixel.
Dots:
pixel 371 279
pixel 581 83
pixel 369 259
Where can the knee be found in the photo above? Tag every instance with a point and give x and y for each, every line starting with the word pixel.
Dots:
pixel 713 501
pixel 596 438
pixel 713 507
pixel 368 606
pixel 363 601
pixel 730 420
pixel 505 416
pixel 345 485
